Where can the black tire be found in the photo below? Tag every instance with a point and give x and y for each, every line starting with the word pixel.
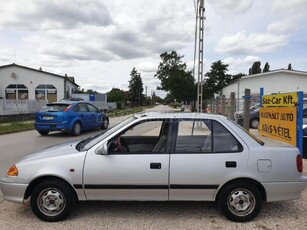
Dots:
pixel 43 133
pixel 76 129
pixel 105 124
pixel 240 201
pixel 254 123
pixel 52 200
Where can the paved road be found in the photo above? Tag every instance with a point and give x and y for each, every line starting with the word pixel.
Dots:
pixel 133 215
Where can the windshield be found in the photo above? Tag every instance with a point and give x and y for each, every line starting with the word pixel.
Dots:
pixel 91 141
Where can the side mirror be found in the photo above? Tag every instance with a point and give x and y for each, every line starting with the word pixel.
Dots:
pixel 103 149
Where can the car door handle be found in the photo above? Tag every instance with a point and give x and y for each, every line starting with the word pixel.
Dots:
pixel 155 165
pixel 231 164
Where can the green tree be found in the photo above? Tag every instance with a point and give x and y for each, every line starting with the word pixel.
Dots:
pixel 174 77
pixel 216 79
pixel 135 88
pixel 256 68
pixel 237 76
pixel 88 91
pixel 266 68
pixel 116 95
pixel 289 67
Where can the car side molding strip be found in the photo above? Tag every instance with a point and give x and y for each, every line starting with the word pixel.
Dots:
pixel 172 186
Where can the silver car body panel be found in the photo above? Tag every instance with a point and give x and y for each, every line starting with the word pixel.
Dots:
pixel 61 161
pixel 183 176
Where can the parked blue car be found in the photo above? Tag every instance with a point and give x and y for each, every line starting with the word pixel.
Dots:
pixel 70 117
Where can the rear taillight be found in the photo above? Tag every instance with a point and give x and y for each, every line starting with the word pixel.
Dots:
pixel 65 110
pixel 299 163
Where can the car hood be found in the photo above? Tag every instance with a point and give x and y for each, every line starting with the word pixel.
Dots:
pixel 67 148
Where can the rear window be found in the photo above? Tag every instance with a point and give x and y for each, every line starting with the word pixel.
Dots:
pixel 54 108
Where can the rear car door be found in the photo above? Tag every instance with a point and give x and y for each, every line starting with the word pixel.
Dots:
pixel 134 169
pixel 205 155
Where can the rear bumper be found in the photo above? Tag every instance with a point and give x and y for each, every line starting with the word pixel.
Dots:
pixel 13 192
pixel 52 126
pixel 285 190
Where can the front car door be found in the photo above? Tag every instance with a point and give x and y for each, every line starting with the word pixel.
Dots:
pixel 83 114
pixel 205 155
pixel 95 117
pixel 133 169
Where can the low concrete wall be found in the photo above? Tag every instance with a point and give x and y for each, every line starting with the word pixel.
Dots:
pixel 16 117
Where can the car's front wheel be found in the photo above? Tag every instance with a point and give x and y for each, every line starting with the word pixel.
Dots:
pixel 52 200
pixel 240 201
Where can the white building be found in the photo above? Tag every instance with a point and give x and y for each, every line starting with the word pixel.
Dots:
pixel 24 83
pixel 276 81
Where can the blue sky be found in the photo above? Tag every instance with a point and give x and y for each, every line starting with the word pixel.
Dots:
pixel 100 41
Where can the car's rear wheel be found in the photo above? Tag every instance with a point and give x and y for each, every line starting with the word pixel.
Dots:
pixel 43 133
pixel 254 123
pixel 52 200
pixel 76 130
pixel 240 201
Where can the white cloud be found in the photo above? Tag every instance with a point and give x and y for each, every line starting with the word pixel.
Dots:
pixel 240 65
pixel 147 67
pixel 289 7
pixel 53 14
pixel 241 43
pixel 230 7
pixel 285 26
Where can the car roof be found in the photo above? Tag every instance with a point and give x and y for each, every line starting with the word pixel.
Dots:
pixel 65 102
pixel 159 115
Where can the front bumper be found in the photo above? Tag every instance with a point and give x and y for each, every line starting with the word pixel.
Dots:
pixel 285 190
pixel 13 191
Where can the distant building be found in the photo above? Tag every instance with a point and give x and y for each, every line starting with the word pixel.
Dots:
pixel 23 83
pixel 276 81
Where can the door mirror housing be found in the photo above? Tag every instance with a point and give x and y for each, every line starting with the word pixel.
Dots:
pixel 103 149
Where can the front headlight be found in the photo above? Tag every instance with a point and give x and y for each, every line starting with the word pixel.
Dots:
pixel 13 171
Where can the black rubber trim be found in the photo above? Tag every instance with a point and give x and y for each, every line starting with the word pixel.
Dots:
pixel 173 186
pixel 107 186
pixel 193 186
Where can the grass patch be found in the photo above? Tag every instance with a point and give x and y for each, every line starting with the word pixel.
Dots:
pixel 16 127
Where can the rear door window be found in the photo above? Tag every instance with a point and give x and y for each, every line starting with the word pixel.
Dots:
pixel 205 136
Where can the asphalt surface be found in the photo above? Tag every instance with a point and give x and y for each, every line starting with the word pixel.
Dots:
pixel 135 215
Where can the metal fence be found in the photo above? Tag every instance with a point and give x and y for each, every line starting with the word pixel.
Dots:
pixel 13 107
pixel 10 107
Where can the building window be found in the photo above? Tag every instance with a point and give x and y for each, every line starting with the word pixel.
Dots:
pixel 43 92
pixel 16 91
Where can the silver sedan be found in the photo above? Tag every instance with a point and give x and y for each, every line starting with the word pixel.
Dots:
pixel 160 157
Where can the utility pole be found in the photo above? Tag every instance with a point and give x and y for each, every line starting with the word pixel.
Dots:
pixel 201 19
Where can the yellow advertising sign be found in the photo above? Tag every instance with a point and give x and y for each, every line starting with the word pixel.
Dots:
pixel 279 124
pixel 283 99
